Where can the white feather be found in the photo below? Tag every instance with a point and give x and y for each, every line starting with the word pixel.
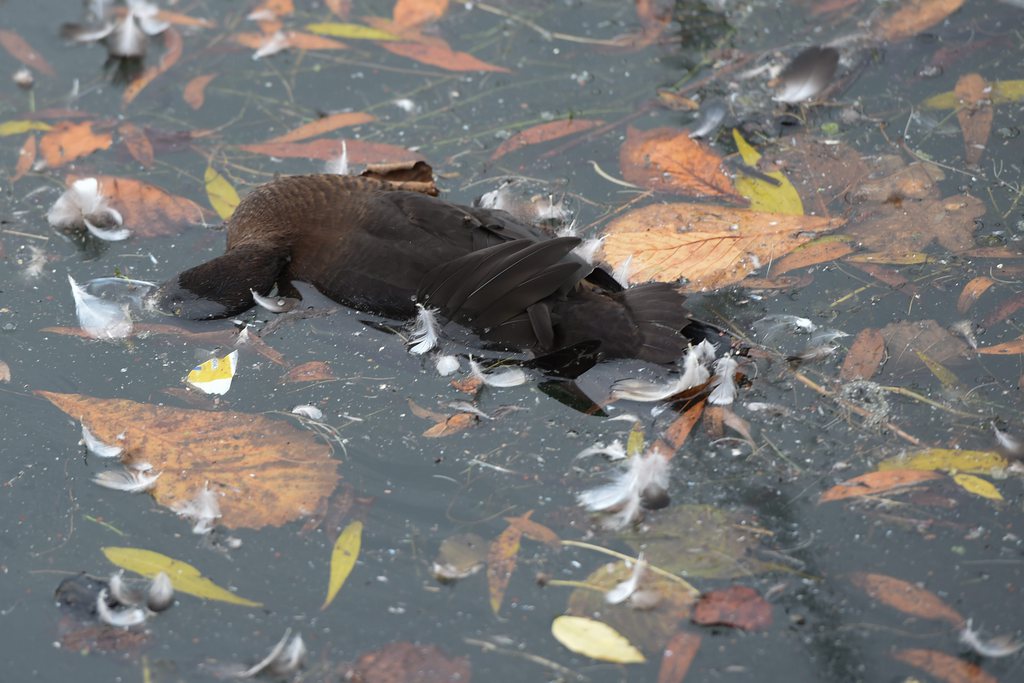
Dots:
pixel 122 618
pixel 694 375
pixel 994 648
pixel 99 318
pixel 622 590
pixel 97 447
pixel 272 45
pixel 203 510
pixel 512 377
pixel 130 481
pixel 339 164
pixel 81 203
pixel 446 365
pixel 312 412
pixel 425 333
pixel 588 248
pixel 613 451
pixel 621 273
pixel 724 385
pixel 622 495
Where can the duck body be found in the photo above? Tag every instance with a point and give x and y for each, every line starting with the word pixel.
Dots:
pixel 371 246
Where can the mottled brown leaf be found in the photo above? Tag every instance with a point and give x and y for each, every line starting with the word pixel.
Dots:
pixel 944 667
pixel 459 422
pixel 892 180
pixel 148 210
pixel 408 663
pixel 501 562
pixel 677 657
pixel 906 597
pixel 312 371
pixel 668 160
pixel 908 226
pixel 735 606
pixel 544 132
pixel 975 115
pixel 865 356
pixel 24 53
pixel 69 141
pixel 137 143
pixel 325 125
pixel 874 483
pixel 195 90
pixel 904 340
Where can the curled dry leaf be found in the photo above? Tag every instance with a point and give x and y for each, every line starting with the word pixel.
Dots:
pixel 266 472
pixel 944 667
pixel 735 606
pixel 707 246
pixel 148 210
pixel 544 132
pixel 865 356
pixel 195 90
pixel 669 160
pixel 913 17
pixel 874 483
pixel 906 597
pixel 68 141
pixel 975 115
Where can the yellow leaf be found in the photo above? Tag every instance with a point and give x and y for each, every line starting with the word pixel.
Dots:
pixel 595 639
pixel 222 195
pixel 184 576
pixel 353 31
pixel 1002 92
pixel 18 127
pixel 947 460
pixel 763 195
pixel 946 376
pixel 343 559
pixel 635 442
pixel 977 486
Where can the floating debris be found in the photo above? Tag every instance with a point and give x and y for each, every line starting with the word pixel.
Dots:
pixel 723 392
pixel 274 304
pixel 613 451
pixel 215 375
pixel 710 118
pixel 160 594
pixel 446 365
pixel 644 475
pixel 126 618
pixel 312 412
pixel 203 510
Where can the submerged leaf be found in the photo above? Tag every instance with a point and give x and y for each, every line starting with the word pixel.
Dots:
pixel 595 639
pixel 343 559
pixel 947 460
pixel 874 483
pixel 906 597
pixel 337 29
pixel 669 160
pixel 977 486
pixel 184 577
pixel 501 562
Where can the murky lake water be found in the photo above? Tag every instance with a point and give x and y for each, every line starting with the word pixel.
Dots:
pixel 412 491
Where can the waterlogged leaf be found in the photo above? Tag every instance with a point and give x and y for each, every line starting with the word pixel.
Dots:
pixel 735 606
pixel 435 51
pixel 455 424
pixel 343 559
pixel 874 483
pixel 906 597
pixel 265 471
pixel 324 125
pixel 709 246
pixel 975 115
pixel 68 141
pixel 411 13
pixel 673 438
pixel 972 291
pixel 184 577
pixel 312 371
pixel 195 90
pixel 679 654
pixel 359 152
pixel 947 460
pixel 977 486
pixel 946 377
pixel 222 195
pixel 174 46
pixel 763 195
pixel 865 356
pixel 927 336
pixel 913 17
pixel 400 662
pixel 147 209
pixel 544 132
pixel 352 31
pixel 944 667
pixel 22 126
pixel 907 227
pixel 1010 348
pixel 1002 92
pixel 501 562
pixel 19 48
pixel 822 250
pixel 26 158
pixel 668 160
pixel 595 639
pixel 137 143
pixel 534 530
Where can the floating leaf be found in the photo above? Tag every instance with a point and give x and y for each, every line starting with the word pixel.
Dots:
pixel 874 483
pixel 184 577
pixel 668 160
pixel 501 562
pixel 343 559
pixel 147 209
pixel 22 126
pixel 352 31
pixel 19 48
pixel 137 143
pixel 544 132
pixel 944 667
pixel 173 48
pixel 710 246
pixel 265 471
pixel 594 639
pixel 977 486
pixel 947 460
pixel 1002 92
pixel 68 141
pixel 822 250
pixel 324 125
pixel 906 597
pixel 901 228
pixel 312 371
pixel 915 16
pixel 435 51
pixel 735 606
pixel 534 530
pixel 679 654
pixel 673 438
pixel 972 291
pixel 26 158
pixel 195 90
pixel 865 356
pixel 458 422
pixel 974 114
pixel 222 195
pixel 1009 348
pixel 763 195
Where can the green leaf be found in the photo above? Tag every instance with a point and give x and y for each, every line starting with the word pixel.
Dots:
pixel 353 31
pixel 184 576
pixel 343 559
pixel 763 195
pixel 222 195
pixel 595 639
pixel 18 127
pixel 1002 93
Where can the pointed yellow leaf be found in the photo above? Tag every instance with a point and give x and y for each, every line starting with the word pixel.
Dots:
pixel 595 639
pixel 343 559
pixel 947 460
pixel 946 376
pixel 763 195
pixel 184 576
pixel 353 31
pixel 222 195
pixel 18 127
pixel 977 486
pixel 635 442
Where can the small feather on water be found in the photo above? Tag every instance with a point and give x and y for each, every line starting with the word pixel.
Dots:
pixel 97 447
pixel 203 510
pixel 621 273
pixel 339 164
pixel 446 365
pixel 622 496
pixel 425 333
pixel 624 589
pixel 994 648
pixel 99 318
pixel 83 204
pixel 160 594
pixel 284 658
pixel 130 481
pixel 312 412
pixel 711 115
pixel 273 304
pixel 512 377
pixel 123 592
pixel 724 383
pixel 588 248
pixel 126 618
pixel 694 375
pixel 1008 443
pixel 613 451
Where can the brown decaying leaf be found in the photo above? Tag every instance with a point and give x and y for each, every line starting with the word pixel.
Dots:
pixel 679 653
pixel 673 438
pixel 501 562
pixel 148 210
pixel 311 371
pixel 735 606
pixel 24 53
pixel 710 246
pixel 412 13
pixel 435 51
pixel 195 90
pixel 906 597
pixel 975 115
pixel 905 340
pixel 913 17
pixel 68 141
pixel 405 662
pixel 534 530
pixel 1004 310
pixel 173 48
pixel 137 143
pixel 972 292
pixel 910 226
pixel 359 152
pixel 544 132
pixel 781 282
pixel 889 276
pixel 865 355
pixel 820 172
pixel 459 422
pixel 944 667
pixel 821 251
pixel 893 180
pixel 324 125
pixel 668 160
pixel 1010 348
pixel 26 157
pixel 874 483
pixel 265 472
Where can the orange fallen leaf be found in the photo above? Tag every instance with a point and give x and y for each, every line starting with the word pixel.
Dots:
pixel 675 436
pixel 69 141
pixel 534 530
pixel 312 371
pixel 1010 348
pixel 264 471
pixel 195 90
pixel 435 51
pixel 906 597
pixel 137 143
pixel 359 151
pixel 913 17
pixel 679 653
pixel 972 292
pixel 459 422
pixel 184 20
pixel 501 562
pixel 944 667
pixel 544 132
pixel 412 13
pixel 26 157
pixel 975 115
pixel 24 53
pixel 907 227
pixel 668 160
pixel 324 125
pixel 173 48
pixel 819 251
pixel 874 483
pixel 865 356
pixel 735 606
pixel 148 210
pixel 709 246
